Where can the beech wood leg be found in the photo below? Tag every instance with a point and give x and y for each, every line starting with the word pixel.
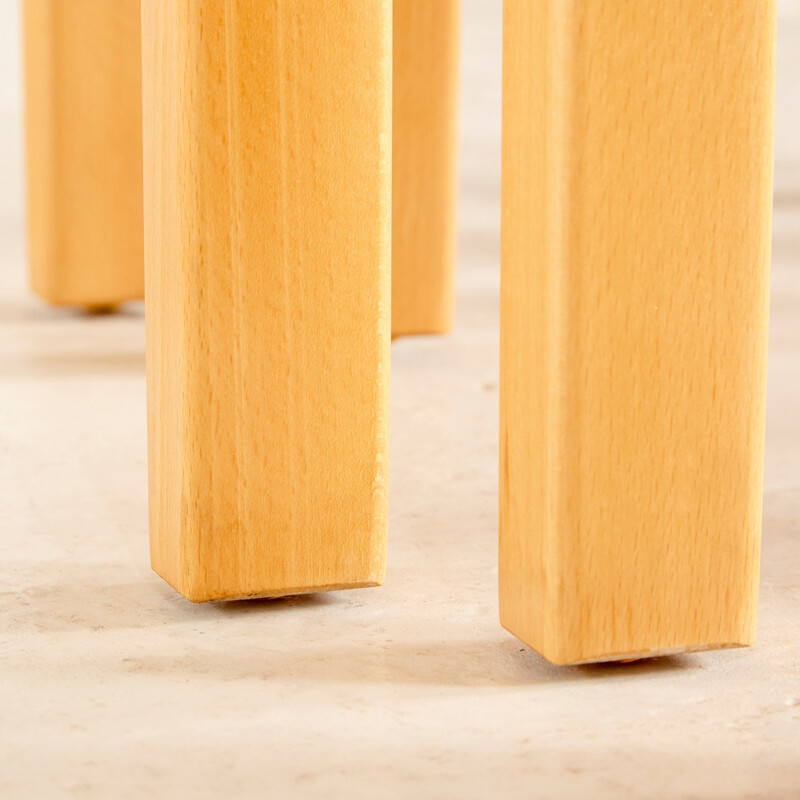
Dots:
pixel 84 150
pixel 425 174
pixel 268 243
pixel 637 175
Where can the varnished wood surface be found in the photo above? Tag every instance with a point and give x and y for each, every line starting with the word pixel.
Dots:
pixel 112 686
pixel 84 150
pixel 268 157
pixel 637 192
pixel 427 46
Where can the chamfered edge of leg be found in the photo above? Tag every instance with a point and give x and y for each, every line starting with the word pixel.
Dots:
pixel 561 655
pixel 199 592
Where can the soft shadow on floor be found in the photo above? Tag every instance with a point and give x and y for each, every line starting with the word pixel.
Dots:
pixel 39 312
pixel 495 662
pixel 68 364
pixel 265 605
pixel 68 342
pixel 73 364
pixel 91 602
pixel 259 644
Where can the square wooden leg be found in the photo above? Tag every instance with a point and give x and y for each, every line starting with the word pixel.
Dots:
pixel 84 150
pixel 268 245
pixel 637 175
pixel 425 167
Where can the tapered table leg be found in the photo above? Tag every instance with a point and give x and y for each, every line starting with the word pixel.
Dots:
pixel 637 166
pixel 84 150
pixel 268 243
pixel 425 175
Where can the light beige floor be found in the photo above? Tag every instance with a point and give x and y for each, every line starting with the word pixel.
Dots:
pixel 112 686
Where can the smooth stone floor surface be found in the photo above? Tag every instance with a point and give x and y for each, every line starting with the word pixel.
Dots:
pixel 113 686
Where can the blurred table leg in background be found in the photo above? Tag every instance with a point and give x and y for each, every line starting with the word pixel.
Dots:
pixel 84 151
pixel 425 169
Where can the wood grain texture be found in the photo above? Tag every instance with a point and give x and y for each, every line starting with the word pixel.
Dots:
pixel 268 245
pixel 84 150
pixel 637 172
pixel 425 164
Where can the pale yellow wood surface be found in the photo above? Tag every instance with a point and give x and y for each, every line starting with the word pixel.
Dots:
pixel 267 175
pixel 84 150
pixel 425 164
pixel 114 688
pixel 637 173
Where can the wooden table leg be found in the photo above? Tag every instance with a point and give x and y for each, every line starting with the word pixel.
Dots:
pixel 268 245
pixel 425 175
pixel 84 148
pixel 637 169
